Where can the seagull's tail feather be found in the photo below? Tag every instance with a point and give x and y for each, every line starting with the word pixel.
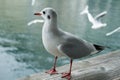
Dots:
pixel 85 11
pixel 98 47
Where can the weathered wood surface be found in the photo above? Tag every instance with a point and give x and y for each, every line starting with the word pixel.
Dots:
pixel 101 67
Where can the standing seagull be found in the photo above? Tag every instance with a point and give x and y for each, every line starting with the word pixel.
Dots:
pixel 95 20
pixel 60 43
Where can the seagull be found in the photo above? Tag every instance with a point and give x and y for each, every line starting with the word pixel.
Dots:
pixel 33 2
pixel 95 20
pixel 61 43
pixel 112 32
pixel 35 21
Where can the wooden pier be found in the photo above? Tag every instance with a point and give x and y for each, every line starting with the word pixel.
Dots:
pixel 101 67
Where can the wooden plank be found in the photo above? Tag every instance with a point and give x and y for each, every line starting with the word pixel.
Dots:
pixel 101 67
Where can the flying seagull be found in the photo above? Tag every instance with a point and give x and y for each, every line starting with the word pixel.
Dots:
pixel 112 32
pixel 35 21
pixel 95 20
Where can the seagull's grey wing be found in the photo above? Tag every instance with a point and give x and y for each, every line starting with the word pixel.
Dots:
pixel 74 48
pixel 101 15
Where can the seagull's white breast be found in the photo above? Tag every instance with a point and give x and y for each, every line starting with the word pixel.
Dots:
pixel 51 42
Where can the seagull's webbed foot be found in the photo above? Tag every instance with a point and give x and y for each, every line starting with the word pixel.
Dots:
pixel 66 75
pixel 52 71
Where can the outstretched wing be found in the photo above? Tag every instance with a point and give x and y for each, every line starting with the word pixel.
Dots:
pixel 100 15
pixel 85 11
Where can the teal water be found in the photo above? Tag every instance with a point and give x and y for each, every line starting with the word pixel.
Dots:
pixel 21 49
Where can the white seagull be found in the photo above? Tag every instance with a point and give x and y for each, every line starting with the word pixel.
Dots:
pixel 112 32
pixel 33 2
pixel 95 20
pixel 35 21
pixel 61 43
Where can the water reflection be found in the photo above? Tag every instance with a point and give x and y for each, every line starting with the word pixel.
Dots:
pixel 21 49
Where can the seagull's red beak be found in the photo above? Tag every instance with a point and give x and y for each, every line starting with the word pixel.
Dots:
pixel 39 14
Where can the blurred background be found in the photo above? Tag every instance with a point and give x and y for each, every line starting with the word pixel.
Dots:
pixel 21 49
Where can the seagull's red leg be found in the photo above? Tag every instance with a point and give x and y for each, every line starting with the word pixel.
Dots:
pixel 53 70
pixel 67 75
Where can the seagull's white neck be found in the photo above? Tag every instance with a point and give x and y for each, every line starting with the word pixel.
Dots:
pixel 50 25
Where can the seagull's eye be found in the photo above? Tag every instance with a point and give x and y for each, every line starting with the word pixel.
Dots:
pixel 43 12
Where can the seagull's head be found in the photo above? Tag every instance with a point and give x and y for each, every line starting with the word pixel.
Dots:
pixel 47 14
